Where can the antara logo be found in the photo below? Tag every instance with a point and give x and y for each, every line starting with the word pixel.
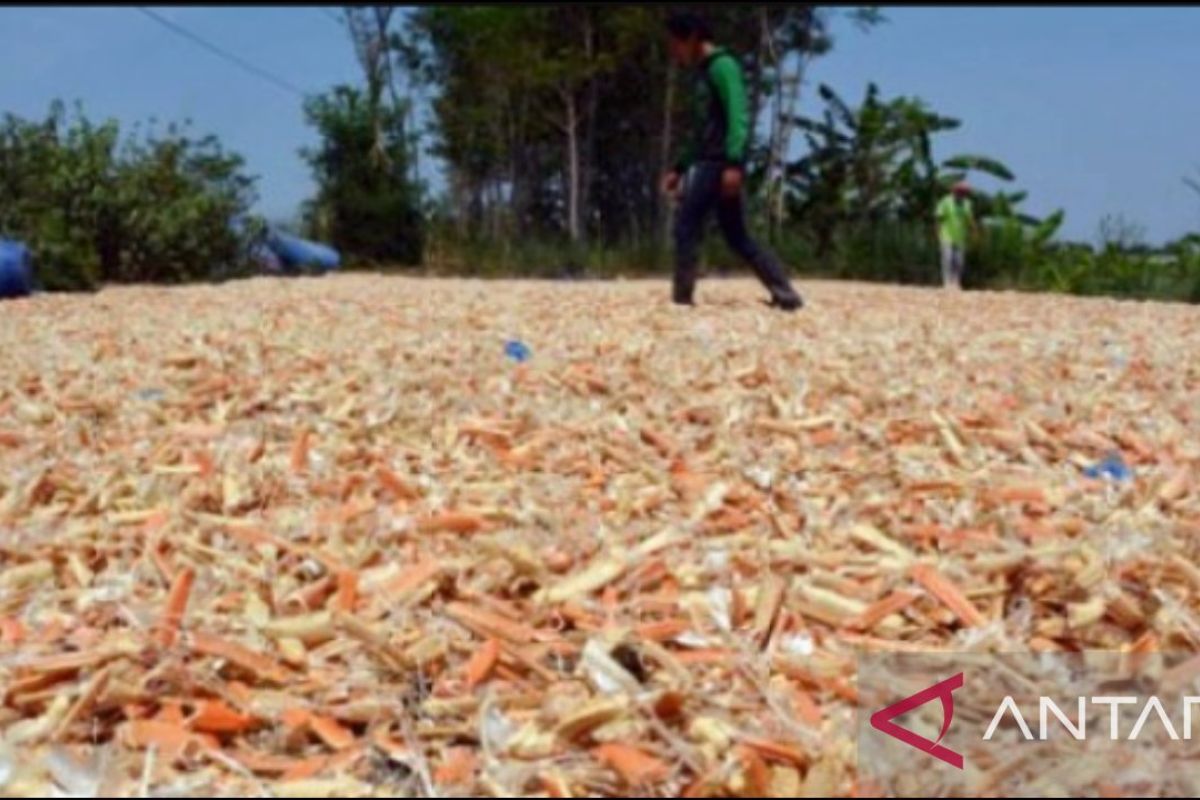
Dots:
pixel 882 720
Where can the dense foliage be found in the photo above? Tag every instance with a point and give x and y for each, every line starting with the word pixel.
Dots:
pixel 366 205
pixel 98 207
pixel 559 121
pixel 554 125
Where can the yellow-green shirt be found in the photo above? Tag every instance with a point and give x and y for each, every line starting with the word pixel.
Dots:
pixel 954 217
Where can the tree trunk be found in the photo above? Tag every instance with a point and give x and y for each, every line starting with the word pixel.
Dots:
pixel 773 180
pixel 516 200
pixel 476 206
pixel 369 37
pixel 664 202
pixel 572 131
pixel 520 169
pixel 779 154
pixel 414 149
pixel 588 169
pixel 501 207
pixel 756 74
pixel 589 148
pixel 458 200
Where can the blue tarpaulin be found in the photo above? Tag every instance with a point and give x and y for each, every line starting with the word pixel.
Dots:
pixel 278 251
pixel 16 269
pixel 296 253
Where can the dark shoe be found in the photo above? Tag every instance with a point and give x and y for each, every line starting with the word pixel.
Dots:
pixel 683 301
pixel 793 303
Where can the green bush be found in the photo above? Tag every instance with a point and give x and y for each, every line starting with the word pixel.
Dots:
pixel 894 252
pixel 1003 257
pixel 94 209
pixel 999 257
pixel 176 198
pixel 1114 271
pixel 448 252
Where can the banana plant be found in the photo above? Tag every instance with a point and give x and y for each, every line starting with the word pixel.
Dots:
pixel 1046 229
pixel 875 163
pixel 885 147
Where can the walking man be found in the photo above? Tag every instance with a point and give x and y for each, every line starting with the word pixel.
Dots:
pixel 955 219
pixel 711 171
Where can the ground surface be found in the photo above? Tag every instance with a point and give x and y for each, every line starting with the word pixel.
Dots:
pixel 324 536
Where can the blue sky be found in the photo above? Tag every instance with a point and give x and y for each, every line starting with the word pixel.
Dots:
pixel 1095 109
pixel 122 64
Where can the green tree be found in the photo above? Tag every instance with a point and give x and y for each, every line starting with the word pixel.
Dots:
pixel 366 204
pixel 96 207
pixel 560 120
pixel 174 200
pixel 794 37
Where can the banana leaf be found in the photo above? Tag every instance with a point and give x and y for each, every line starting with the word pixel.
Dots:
pixel 1045 230
pixel 836 103
pixel 989 166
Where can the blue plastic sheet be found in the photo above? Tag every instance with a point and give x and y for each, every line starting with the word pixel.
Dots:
pixel 295 253
pixel 281 252
pixel 16 269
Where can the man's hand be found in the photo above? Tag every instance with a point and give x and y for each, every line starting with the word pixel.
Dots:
pixel 731 182
pixel 671 183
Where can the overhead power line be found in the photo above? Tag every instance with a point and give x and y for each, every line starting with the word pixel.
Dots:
pixel 225 54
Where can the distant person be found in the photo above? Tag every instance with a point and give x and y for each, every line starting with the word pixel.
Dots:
pixel 716 160
pixel 955 220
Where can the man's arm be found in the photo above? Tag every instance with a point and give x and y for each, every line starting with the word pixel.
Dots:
pixel 726 76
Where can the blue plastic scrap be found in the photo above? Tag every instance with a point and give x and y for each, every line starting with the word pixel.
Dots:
pixel 16 269
pixel 1112 467
pixel 517 350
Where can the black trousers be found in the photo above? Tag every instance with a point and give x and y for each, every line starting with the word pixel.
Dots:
pixel 701 195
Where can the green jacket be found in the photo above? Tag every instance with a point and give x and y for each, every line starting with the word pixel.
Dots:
pixel 721 114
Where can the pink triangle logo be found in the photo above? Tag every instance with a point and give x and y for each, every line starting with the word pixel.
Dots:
pixel 882 720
